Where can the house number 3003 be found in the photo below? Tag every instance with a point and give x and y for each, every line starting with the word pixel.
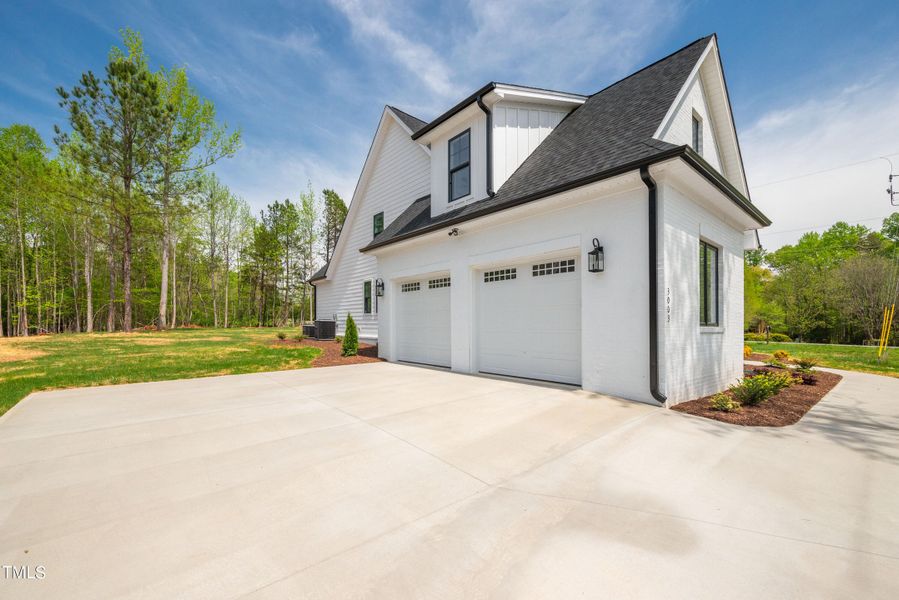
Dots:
pixel 667 304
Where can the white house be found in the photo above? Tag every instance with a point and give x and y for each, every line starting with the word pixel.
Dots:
pixel 477 230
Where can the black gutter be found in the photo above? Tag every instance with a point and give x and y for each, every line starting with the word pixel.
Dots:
pixel 314 303
pixel 451 112
pixel 489 136
pixel 620 170
pixel 685 152
pixel 653 286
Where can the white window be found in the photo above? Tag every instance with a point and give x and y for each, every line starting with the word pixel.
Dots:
pixel 411 287
pixel 438 283
pixel 500 275
pixel 552 268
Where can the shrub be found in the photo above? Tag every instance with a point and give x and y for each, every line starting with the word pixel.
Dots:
pixel 281 335
pixel 761 337
pixel 747 351
pixel 808 378
pixel 781 380
pixel 724 403
pixel 338 339
pixel 781 355
pixel 755 390
pixel 299 337
pixel 776 364
pixel 350 338
pixel 805 364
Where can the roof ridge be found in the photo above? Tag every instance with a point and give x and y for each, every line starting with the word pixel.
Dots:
pixel 654 63
pixel 399 110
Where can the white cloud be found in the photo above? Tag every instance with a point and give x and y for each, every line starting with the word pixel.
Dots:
pixel 816 161
pixel 375 28
pixel 563 45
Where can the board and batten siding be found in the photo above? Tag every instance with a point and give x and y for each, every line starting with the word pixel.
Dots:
pixel 698 361
pixel 680 128
pixel 400 174
pixel 517 131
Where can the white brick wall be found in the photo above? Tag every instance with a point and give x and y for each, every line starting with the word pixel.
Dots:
pixel 697 361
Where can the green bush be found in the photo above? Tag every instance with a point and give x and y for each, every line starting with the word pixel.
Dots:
pixel 755 390
pixel 724 403
pixel 281 335
pixel 773 362
pixel 805 364
pixel 338 339
pixel 760 337
pixel 299 337
pixel 350 338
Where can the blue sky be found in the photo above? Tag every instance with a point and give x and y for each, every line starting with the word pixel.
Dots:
pixel 814 85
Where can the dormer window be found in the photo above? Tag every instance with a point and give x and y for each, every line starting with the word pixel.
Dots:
pixel 460 165
pixel 697 134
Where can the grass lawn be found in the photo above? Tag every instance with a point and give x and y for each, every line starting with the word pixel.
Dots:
pixel 851 358
pixel 80 360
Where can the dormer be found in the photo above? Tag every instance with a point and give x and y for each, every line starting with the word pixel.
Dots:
pixel 476 145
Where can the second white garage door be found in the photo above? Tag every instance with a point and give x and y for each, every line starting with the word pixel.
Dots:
pixel 423 321
pixel 529 320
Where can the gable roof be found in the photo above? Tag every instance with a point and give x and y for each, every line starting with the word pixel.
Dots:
pixel 413 123
pixel 610 134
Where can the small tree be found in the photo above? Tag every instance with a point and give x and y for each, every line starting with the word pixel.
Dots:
pixel 350 338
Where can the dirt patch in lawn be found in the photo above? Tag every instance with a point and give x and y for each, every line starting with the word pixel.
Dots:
pixel 330 356
pixel 784 408
pixel 13 353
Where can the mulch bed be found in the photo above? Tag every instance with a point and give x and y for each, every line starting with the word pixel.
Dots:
pixel 784 408
pixel 758 357
pixel 330 356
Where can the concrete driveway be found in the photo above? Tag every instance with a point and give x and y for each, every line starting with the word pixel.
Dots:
pixel 391 481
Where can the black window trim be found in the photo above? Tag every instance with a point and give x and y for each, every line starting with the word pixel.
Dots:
pixel 366 297
pixel 465 165
pixel 374 221
pixel 704 287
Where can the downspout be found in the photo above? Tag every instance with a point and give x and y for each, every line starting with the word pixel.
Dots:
pixel 314 303
pixel 653 287
pixel 489 136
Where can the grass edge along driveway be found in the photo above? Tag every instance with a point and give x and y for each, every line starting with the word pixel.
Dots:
pixel 82 360
pixel 837 356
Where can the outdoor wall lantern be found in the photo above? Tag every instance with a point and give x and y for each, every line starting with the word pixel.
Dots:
pixel 595 259
pixel 379 287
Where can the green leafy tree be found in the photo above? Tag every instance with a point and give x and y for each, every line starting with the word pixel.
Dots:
pixel 119 119
pixel 335 211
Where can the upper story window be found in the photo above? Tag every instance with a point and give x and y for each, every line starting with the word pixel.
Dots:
pixel 697 133
pixel 460 165
pixel 708 284
pixel 377 224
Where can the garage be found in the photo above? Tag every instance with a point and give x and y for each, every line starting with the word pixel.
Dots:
pixel 529 320
pixel 423 321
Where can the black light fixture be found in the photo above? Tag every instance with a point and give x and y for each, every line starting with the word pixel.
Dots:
pixel 595 259
pixel 379 287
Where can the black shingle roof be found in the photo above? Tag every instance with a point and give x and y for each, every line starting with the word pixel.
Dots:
pixel 320 274
pixel 610 133
pixel 413 123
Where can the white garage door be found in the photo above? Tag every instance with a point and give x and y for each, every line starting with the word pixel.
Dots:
pixel 423 321
pixel 529 320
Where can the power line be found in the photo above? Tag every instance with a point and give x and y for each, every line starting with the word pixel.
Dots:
pixel 836 168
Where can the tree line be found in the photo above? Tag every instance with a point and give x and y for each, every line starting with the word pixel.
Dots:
pixel 126 226
pixel 828 287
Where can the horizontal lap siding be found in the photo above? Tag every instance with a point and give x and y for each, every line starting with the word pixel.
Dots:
pixel 698 363
pixel 400 174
